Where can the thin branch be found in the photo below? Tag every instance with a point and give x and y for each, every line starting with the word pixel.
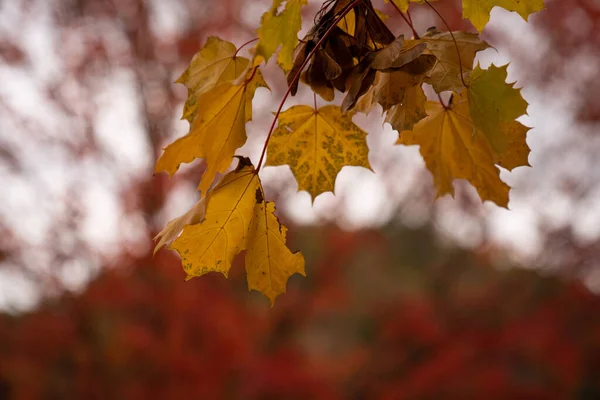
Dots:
pixel 245 44
pixel 409 17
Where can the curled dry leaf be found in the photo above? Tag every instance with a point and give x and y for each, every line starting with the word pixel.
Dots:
pixel 400 93
pixel 409 60
pixel 446 74
pixel 359 33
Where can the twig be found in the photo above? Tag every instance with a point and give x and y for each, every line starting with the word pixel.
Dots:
pixel 245 44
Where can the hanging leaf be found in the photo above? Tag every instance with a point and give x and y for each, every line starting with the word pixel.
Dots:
pixel 478 11
pixel 409 111
pixel 389 59
pixel 213 244
pixel 269 262
pixel 445 75
pixel 218 130
pixel 493 102
pixel 215 63
pixel 400 93
pixel 317 144
pixel 237 218
pixel 453 148
pixel 280 30
pixel 389 88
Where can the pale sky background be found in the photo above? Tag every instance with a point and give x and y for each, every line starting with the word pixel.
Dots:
pixel 368 199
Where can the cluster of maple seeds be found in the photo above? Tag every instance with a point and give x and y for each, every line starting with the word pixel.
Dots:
pixel 351 50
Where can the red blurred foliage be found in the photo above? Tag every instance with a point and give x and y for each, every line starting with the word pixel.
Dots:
pixel 383 315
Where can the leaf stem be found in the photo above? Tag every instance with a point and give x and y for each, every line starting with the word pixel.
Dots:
pixel 460 66
pixel 408 21
pixel 409 17
pixel 297 76
pixel 442 101
pixel 244 45
pixel 251 76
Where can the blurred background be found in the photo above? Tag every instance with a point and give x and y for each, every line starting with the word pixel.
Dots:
pixel 406 297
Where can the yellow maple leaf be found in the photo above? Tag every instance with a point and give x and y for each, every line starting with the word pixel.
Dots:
pixel 269 262
pixel 453 148
pixel 280 29
pixel 317 144
pixel 215 63
pixel 478 11
pixel 235 217
pixel 445 75
pixel 492 102
pixel 217 131
pixel 213 244
pixel 403 4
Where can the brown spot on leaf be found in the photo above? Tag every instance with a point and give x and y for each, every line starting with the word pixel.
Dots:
pixel 259 196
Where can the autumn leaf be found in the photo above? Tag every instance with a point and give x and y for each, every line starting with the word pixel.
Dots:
pixel 213 244
pixel 493 102
pixel 400 93
pixel 392 58
pixel 317 144
pixel 446 74
pixel 401 97
pixel 236 217
pixel 409 111
pixel 217 131
pixel 280 29
pixel 478 11
pixel 394 55
pixel 269 262
pixel 453 148
pixel 215 63
pixel 389 88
